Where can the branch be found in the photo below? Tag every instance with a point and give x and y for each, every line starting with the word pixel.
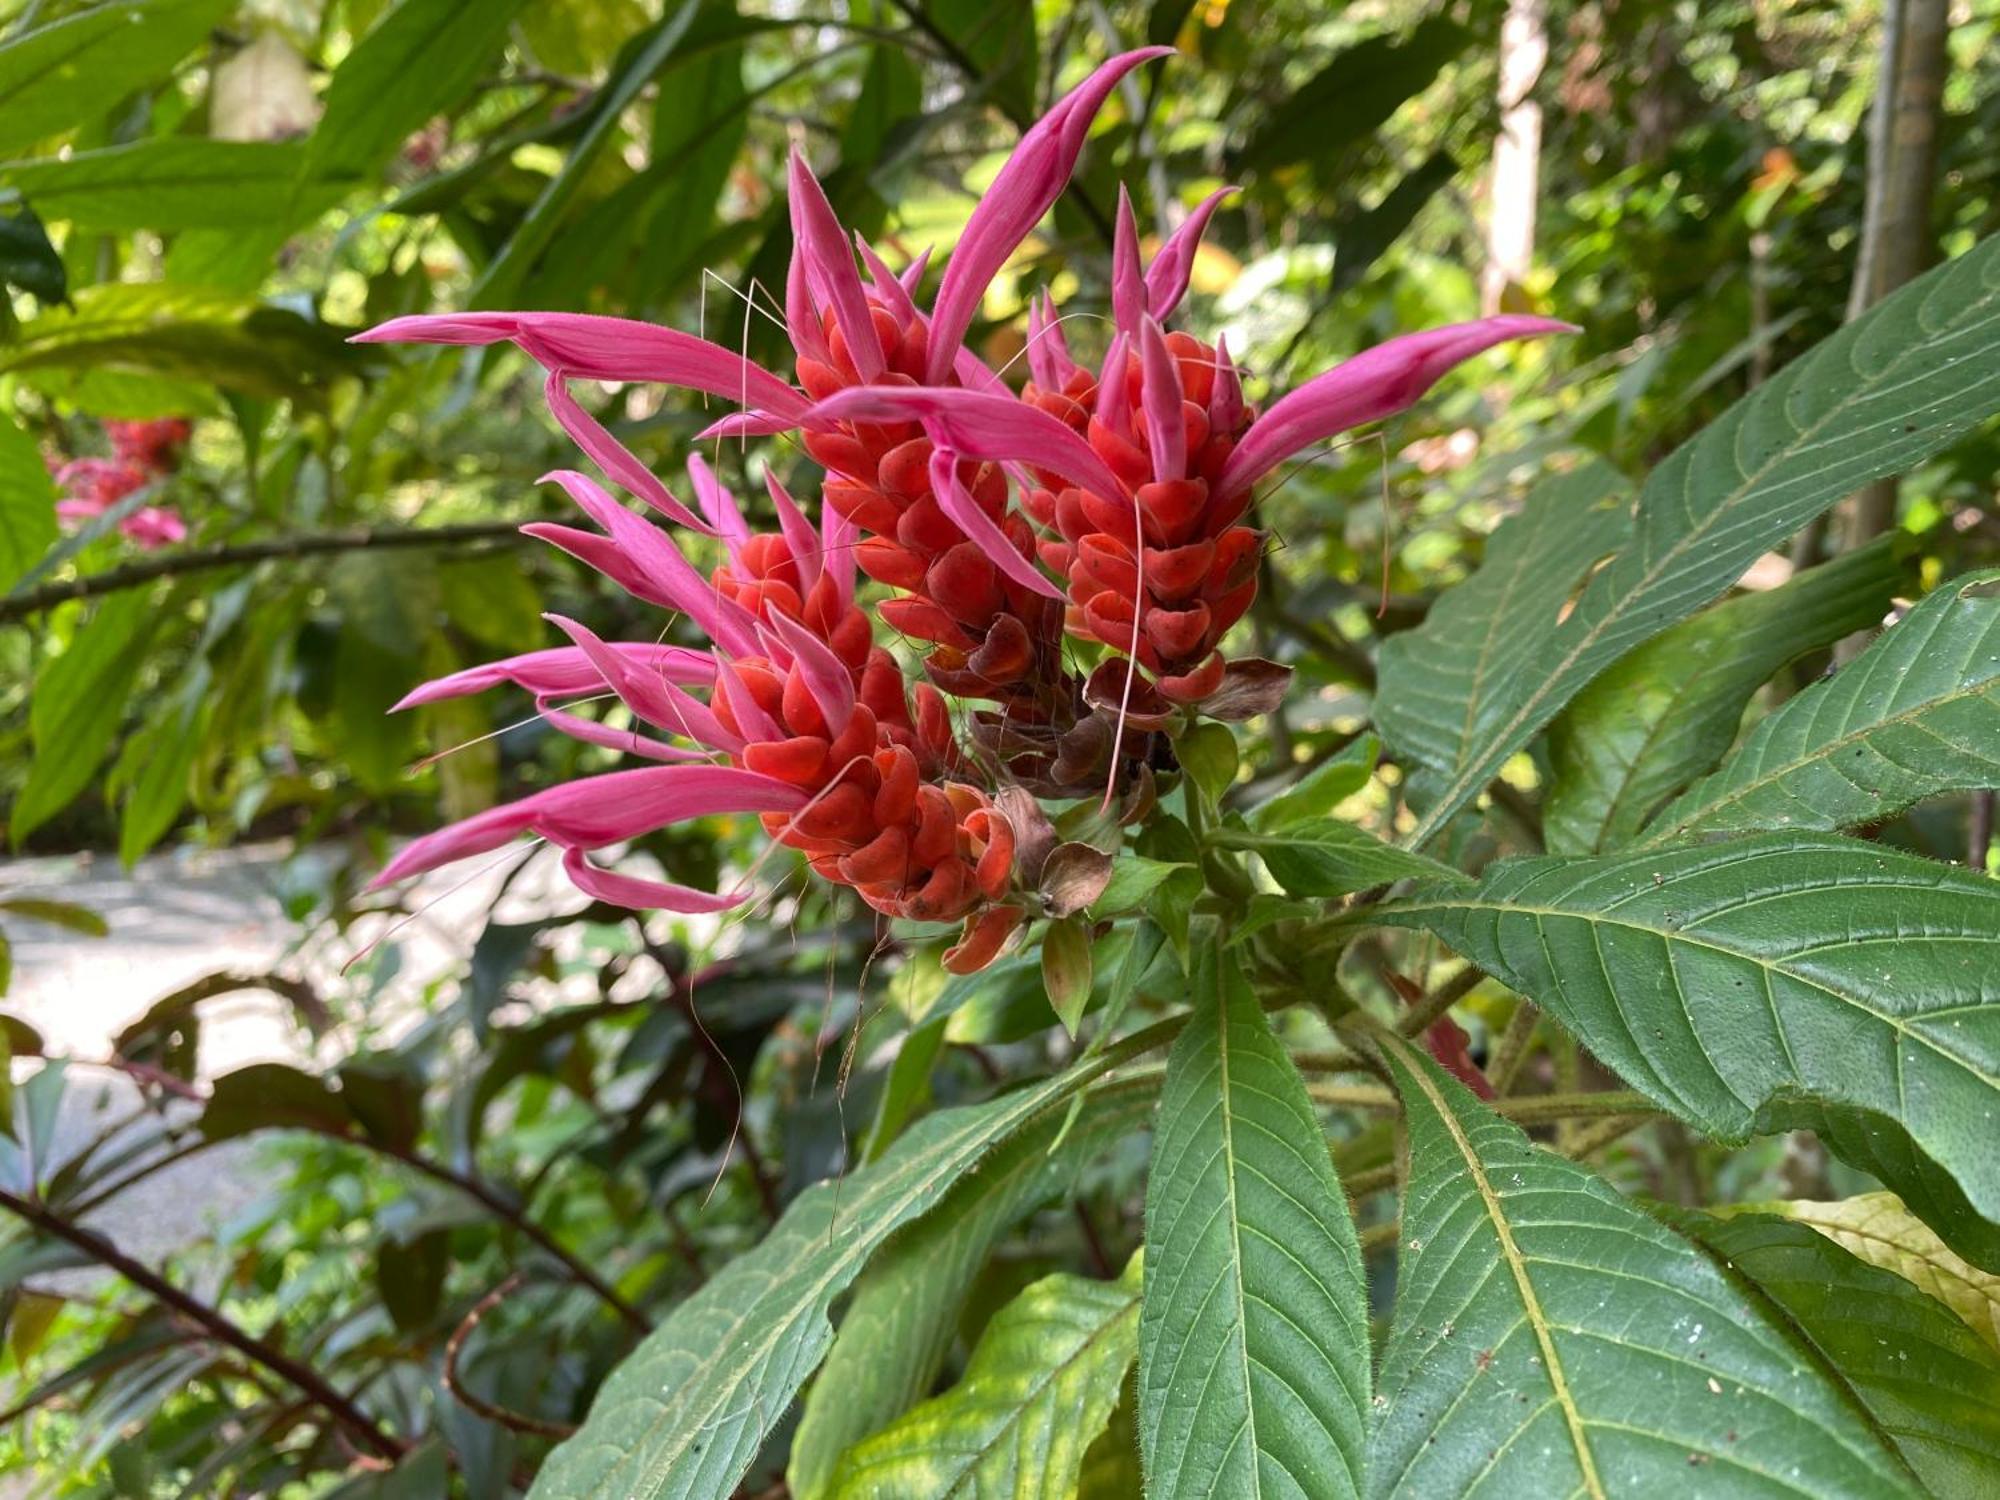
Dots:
pixel 228 555
pixel 455 1345
pixel 212 1322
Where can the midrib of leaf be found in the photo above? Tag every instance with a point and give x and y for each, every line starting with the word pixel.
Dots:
pixel 1466 786
pixel 1673 935
pixel 1516 1263
pixel 1484 660
pixel 1908 718
pixel 91 37
pixel 1241 1325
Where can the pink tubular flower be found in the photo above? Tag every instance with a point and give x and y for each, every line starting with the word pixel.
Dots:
pixel 1107 504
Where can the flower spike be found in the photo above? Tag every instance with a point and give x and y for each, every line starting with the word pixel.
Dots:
pixel 1167 277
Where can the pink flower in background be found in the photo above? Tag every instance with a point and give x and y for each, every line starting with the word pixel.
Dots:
pixel 144 451
pixel 152 446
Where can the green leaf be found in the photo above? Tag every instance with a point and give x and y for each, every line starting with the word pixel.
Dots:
pixel 1552 1339
pixel 999 40
pixel 905 1311
pixel 77 68
pixel 1316 794
pixel 1880 1230
pixel 1253 1340
pixel 79 702
pixel 1669 711
pixel 1209 757
pixel 686 1413
pixel 411 1276
pixel 1331 858
pixel 1931 1388
pixel 64 914
pixel 192 333
pixel 170 183
pixel 272 1096
pixel 1363 237
pixel 648 53
pixel 1133 878
pixel 1039 1388
pixel 907 1088
pixel 1355 94
pixel 1900 383
pixel 157 763
pixel 1066 969
pixel 27 503
pixel 418 61
pixel 27 259
pixel 1728 980
pixel 1916 714
pixel 1446 686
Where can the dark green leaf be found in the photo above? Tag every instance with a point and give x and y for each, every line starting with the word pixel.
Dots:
pixel 76 68
pixel 1669 711
pixel 64 914
pixel 999 42
pixel 1552 1339
pixel 1253 1341
pixel 1316 794
pixel 1730 980
pixel 1354 95
pixel 1916 714
pixel 1363 238
pixel 271 1096
pixel 27 259
pixel 411 1277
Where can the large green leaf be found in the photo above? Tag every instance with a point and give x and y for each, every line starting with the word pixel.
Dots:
pixel 999 42
pixel 1880 1230
pixel 79 701
pixel 1931 1387
pixel 900 1323
pixel 1446 685
pixel 1916 714
pixel 1038 1391
pixel 686 1413
pixel 27 503
pixel 1253 1341
pixel 1900 383
pixel 170 183
pixel 77 68
pixel 1552 1339
pixel 418 61
pixel 1727 980
pixel 193 333
pixel 1669 711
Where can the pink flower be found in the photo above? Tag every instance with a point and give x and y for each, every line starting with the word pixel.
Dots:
pixel 154 526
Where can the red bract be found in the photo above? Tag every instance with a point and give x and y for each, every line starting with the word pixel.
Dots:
pixel 152 446
pixel 1133 486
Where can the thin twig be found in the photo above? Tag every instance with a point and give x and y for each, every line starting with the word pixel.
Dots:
pixel 210 1321
pixel 229 555
pixel 455 1345
pixel 1420 1017
pixel 1512 1049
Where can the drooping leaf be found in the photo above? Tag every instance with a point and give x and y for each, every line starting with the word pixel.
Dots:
pixel 170 183
pixel 27 503
pixel 79 66
pixel 1915 715
pixel 1357 92
pixel 272 1096
pixel 1880 1230
pixel 1552 1339
pixel 643 59
pixel 64 914
pixel 1728 980
pixel 1900 383
pixel 1446 685
pixel 191 333
pixel 899 1326
pixel 79 702
pixel 1331 858
pixel 418 61
pixel 686 1413
pixel 1316 794
pixel 27 259
pixel 1930 1386
pixel 1039 1389
pixel 1253 1339
pixel 1669 711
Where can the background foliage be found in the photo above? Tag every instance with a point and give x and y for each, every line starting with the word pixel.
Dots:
pixel 475 1205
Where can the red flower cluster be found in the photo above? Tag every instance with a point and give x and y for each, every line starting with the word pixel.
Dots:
pixel 1133 485
pixel 142 452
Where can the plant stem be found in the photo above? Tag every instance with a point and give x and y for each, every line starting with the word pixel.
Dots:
pixel 228 555
pixel 1420 1017
pixel 211 1321
pixel 1516 1041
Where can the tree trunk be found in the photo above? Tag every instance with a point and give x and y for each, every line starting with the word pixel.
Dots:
pixel 1897 243
pixel 1510 228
